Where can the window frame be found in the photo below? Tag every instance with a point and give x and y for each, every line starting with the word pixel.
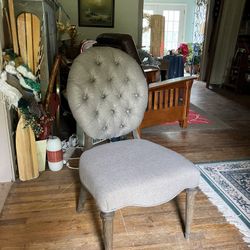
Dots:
pixel 159 8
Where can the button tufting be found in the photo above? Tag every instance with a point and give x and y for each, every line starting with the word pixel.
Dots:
pixel 92 79
pixel 117 63
pixel 128 111
pixel 126 79
pixel 110 79
pixel 85 97
pixel 109 101
pixel 98 62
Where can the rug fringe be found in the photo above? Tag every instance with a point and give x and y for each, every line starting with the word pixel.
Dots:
pixel 230 216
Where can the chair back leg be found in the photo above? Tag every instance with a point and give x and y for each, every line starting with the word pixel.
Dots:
pixel 82 199
pixel 107 222
pixel 189 210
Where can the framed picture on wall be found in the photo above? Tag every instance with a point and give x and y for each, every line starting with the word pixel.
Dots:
pixel 96 13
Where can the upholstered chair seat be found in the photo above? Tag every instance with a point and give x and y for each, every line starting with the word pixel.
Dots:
pixel 107 93
pixel 136 173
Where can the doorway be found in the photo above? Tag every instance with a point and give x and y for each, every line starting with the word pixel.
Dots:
pixel 174 23
pixel 184 23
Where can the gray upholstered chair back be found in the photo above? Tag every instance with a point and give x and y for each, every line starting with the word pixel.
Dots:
pixel 107 92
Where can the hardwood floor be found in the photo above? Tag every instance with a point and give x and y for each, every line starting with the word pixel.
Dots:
pixel 232 143
pixel 40 214
pixel 4 190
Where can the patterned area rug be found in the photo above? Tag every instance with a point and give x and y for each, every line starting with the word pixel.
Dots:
pixel 227 184
pixel 193 118
pixel 198 120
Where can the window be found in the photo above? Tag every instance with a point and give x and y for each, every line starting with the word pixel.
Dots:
pixel 172 18
pixel 146 29
pixel 174 24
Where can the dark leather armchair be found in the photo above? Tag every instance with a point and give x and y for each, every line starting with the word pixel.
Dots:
pixel 125 43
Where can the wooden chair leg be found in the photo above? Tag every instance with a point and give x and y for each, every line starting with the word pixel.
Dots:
pixel 183 123
pixel 107 222
pixel 82 199
pixel 189 210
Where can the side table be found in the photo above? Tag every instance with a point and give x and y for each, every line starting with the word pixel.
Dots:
pixel 152 75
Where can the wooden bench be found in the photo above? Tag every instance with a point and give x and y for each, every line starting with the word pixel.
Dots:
pixel 168 101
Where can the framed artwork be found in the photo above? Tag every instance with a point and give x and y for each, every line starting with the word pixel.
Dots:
pixel 96 13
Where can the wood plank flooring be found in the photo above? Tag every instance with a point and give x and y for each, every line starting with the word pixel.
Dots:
pixel 40 214
pixel 4 190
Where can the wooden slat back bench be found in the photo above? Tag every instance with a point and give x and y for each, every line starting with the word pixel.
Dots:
pixel 168 101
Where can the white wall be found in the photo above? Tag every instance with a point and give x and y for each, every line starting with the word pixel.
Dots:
pixel 126 19
pixel 6 163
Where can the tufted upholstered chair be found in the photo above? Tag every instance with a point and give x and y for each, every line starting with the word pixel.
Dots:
pixel 107 94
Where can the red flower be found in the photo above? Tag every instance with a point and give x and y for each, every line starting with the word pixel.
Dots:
pixel 183 48
pixel 46 124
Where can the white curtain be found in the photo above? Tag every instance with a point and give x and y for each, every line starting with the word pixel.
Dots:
pixel 199 20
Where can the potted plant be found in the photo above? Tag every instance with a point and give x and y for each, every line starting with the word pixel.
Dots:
pixel 41 123
pixel 192 64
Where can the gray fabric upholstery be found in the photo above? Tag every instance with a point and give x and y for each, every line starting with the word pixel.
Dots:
pixel 107 92
pixel 135 173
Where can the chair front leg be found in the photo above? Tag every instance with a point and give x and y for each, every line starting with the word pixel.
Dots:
pixel 82 199
pixel 107 222
pixel 189 210
pixel 183 123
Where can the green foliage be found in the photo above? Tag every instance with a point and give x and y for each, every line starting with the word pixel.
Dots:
pixel 147 59
pixel 33 84
pixel 194 57
pixel 31 120
pixel 38 124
